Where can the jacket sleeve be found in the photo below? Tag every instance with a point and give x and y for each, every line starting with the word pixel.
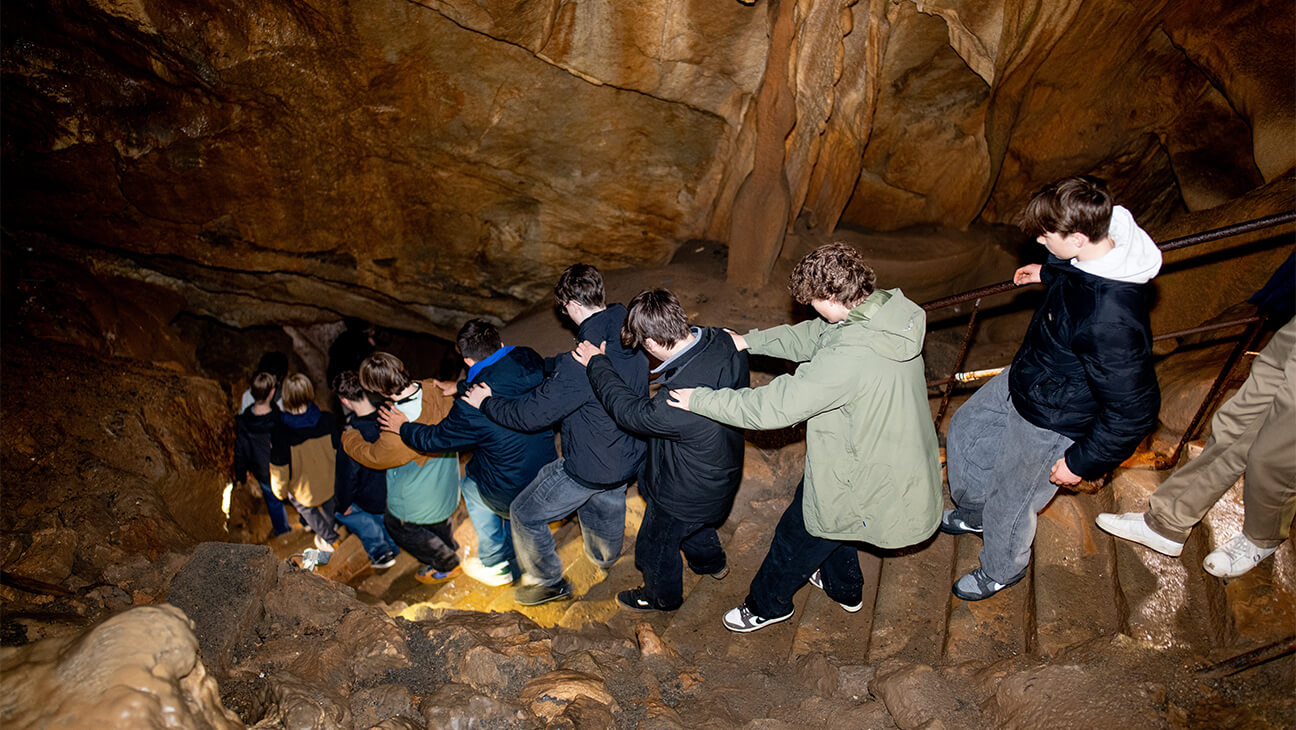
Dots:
pixel 817 386
pixel 280 463
pixel 388 452
pixel 795 342
pixel 1124 385
pixel 455 432
pixel 630 410
pixel 552 401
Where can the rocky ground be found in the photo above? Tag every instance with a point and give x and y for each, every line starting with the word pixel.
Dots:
pixel 114 473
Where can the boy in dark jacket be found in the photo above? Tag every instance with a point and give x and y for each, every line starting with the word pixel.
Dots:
pixel 599 460
pixel 1081 392
pixel 694 464
pixel 253 428
pixel 360 493
pixel 503 461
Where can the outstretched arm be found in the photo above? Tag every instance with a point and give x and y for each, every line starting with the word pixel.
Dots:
pixel 630 410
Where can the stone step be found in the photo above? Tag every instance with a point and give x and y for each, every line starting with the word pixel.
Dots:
pixel 825 628
pixel 910 615
pixel 1074 574
pixel 995 628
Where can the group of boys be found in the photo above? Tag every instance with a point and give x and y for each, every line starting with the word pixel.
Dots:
pixel 1077 399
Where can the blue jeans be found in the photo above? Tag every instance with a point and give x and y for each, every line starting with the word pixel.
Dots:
pixel 494 538
pixel 552 495
pixel 657 555
pixel 278 517
pixel 794 555
pixel 999 466
pixel 369 528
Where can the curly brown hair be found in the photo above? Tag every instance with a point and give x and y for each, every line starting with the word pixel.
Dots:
pixel 834 271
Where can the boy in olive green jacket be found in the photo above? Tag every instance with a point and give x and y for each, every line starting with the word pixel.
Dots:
pixel 872 471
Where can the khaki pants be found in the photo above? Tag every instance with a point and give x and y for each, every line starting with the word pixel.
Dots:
pixel 1253 433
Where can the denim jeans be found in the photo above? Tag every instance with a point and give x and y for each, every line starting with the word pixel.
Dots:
pixel 657 555
pixel 369 528
pixel 432 544
pixel 494 538
pixel 552 495
pixel 319 517
pixel 999 466
pixel 794 555
pixel 278 517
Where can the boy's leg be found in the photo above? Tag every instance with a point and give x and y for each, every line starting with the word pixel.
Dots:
pixel 278 517
pixel 320 518
pixel 428 544
pixel 703 551
pixel 369 528
pixel 657 554
pixel 841 576
pixel 602 520
pixel 793 555
pixel 494 541
pixel 550 496
pixel 1020 491
pixel 972 446
pixel 1269 493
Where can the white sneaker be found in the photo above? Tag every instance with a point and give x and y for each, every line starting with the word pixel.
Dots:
pixel 491 575
pixel 323 544
pixel 817 582
pixel 1235 557
pixel 1131 526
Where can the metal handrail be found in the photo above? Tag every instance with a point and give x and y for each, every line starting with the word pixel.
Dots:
pixel 1252 332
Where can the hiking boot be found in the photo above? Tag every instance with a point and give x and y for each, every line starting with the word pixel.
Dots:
pixel 742 620
pixel 1131 526
pixel 636 599
pixel 323 544
pixel 428 574
pixel 535 595
pixel 384 561
pixel 491 575
pixel 1235 557
pixel 817 582
pixel 952 524
pixel 977 586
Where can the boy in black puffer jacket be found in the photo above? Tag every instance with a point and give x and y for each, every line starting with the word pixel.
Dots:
pixel 1081 392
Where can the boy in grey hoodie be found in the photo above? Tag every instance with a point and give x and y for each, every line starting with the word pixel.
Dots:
pixel 1081 392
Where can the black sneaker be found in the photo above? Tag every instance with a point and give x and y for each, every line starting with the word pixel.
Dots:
pixel 384 561
pixel 535 595
pixel 952 524
pixel 636 599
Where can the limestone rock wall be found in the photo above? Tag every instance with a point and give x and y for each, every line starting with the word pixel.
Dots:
pixel 419 162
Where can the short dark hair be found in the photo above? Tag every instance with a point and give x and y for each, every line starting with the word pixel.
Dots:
pixel 262 386
pixel 478 339
pixel 580 283
pixel 1078 204
pixel 834 271
pixel 654 313
pixel 298 392
pixel 383 373
pixel 346 384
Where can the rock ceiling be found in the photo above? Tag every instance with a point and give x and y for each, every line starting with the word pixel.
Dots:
pixel 417 162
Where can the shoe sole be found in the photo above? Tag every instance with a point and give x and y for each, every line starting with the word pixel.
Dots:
pixel 848 609
pixel 1118 530
pixel 382 566
pixel 749 629
pixel 637 609
pixel 951 530
pixel 432 579
pixel 550 599
pixel 970 598
pixel 720 575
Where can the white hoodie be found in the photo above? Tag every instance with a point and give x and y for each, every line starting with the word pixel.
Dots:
pixel 1135 259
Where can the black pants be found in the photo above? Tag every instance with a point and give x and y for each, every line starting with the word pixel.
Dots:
pixel 657 555
pixel 431 544
pixel 794 555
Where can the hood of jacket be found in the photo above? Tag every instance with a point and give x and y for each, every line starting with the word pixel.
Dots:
pixel 515 373
pixel 895 326
pixel 259 424
pixel 303 420
pixel 1135 259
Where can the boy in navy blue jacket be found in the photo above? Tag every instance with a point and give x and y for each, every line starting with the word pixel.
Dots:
pixel 599 459
pixel 1081 392
pixel 503 461
pixel 360 493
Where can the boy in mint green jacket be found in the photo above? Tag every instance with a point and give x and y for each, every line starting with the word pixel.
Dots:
pixel 872 471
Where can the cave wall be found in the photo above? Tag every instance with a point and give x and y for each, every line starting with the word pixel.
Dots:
pixel 416 163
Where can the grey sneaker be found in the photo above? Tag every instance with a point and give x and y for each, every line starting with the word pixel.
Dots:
pixel 535 595
pixel 742 620
pixel 1131 526
pixel 817 582
pixel 952 524
pixel 977 586
pixel 1235 557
